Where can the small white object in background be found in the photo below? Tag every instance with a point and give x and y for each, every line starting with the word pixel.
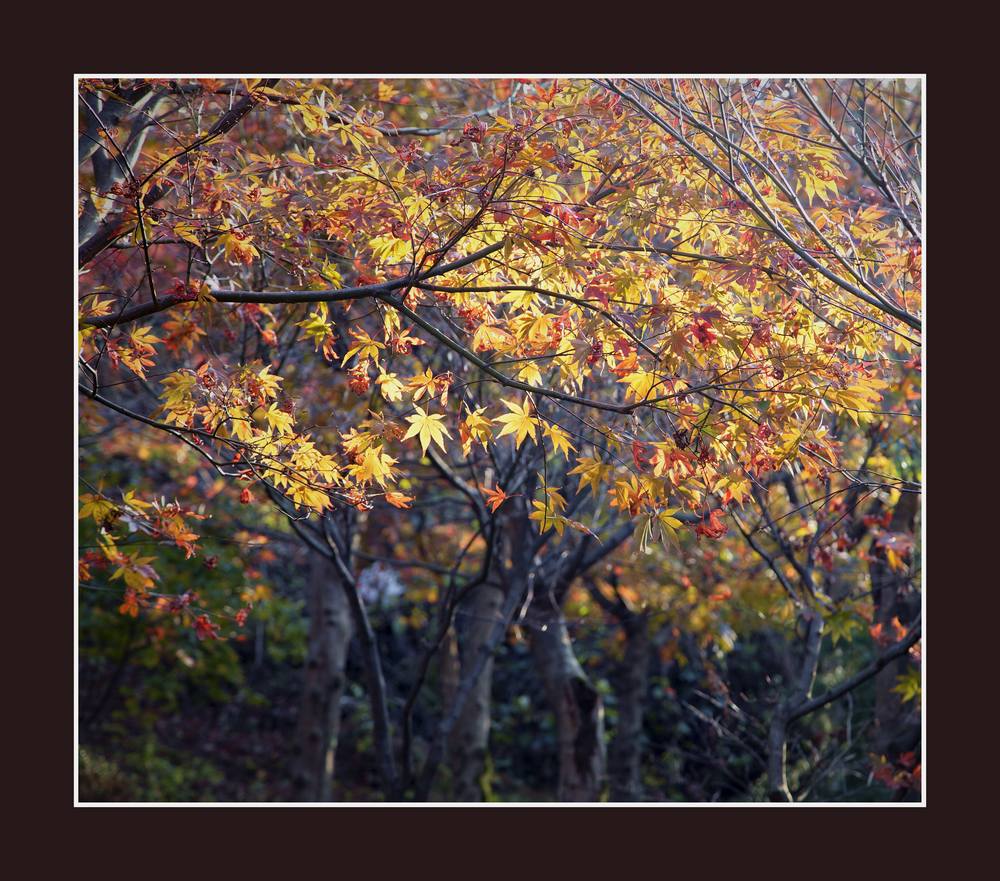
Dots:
pixel 379 585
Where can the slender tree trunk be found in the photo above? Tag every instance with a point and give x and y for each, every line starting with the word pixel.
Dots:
pixel 896 728
pixel 319 714
pixel 577 706
pixel 777 737
pixel 625 753
pixel 798 692
pixel 468 741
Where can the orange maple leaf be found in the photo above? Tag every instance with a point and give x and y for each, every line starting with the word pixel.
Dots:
pixel 398 500
pixel 495 497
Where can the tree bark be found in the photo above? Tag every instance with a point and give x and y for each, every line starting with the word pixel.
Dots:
pixel 111 168
pixel 577 705
pixel 469 739
pixel 777 736
pixel 512 601
pixel 319 715
pixel 625 753
pixel 798 693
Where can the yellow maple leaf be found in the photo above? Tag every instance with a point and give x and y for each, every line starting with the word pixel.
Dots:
pixel 518 422
pixel 475 427
pixel 428 428
pixel 640 384
pixel 390 386
pixel 592 472
pixel 364 347
pixel 279 420
pixel 489 337
pixel 374 464
pixel 422 384
pixel 559 437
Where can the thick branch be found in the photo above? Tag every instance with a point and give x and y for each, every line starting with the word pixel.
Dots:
pixel 289 297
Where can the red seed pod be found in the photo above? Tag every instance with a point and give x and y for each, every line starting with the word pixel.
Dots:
pixel 474 130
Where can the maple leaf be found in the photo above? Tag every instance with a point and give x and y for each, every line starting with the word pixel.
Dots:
pixel 908 685
pixel 711 526
pixel 205 628
pixel 474 428
pixel 559 437
pixel 843 625
pixel 592 473
pixel 238 247
pixel 129 499
pixel 136 571
pixel 423 384
pixel 518 422
pixel 489 337
pixel 428 428
pixel 528 372
pixel 364 347
pixel 398 500
pixel 658 526
pixel 580 527
pixel 630 495
pixel 640 384
pixel 669 524
pixel 403 342
pixel 640 454
pixel 494 497
pixel 96 507
pixel 143 338
pixel 390 386
pixel 318 329
pixel 374 464
pixel 549 513
pixel 702 331
pixel 131 604
pixel 279 420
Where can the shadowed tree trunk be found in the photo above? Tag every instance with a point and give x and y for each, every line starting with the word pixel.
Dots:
pixel 469 738
pixel 577 705
pixel 630 680
pixel 319 715
pixel 625 753
pixel 897 729
pixel 800 689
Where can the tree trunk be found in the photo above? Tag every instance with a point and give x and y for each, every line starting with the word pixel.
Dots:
pixel 799 691
pixel 511 602
pixel 625 754
pixel 111 168
pixel 897 727
pixel 319 714
pixel 577 705
pixel 468 742
pixel 777 736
